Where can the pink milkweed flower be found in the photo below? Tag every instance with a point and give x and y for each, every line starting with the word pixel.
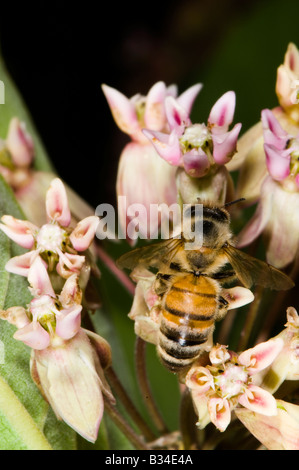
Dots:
pixel 287 83
pixel 55 242
pixel 143 177
pixel 49 316
pixel 279 196
pixel 197 147
pixel 16 155
pixel 67 361
pixel 133 114
pixel 230 382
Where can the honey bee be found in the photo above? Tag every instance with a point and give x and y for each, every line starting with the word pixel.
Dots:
pixel 189 283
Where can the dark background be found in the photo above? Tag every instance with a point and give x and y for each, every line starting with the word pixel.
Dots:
pixel 59 53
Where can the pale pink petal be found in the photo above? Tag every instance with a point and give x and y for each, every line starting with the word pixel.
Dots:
pixel 291 59
pixel 34 335
pixel 57 205
pixel 261 217
pixel 278 162
pixel 225 145
pixel 16 316
pixel 200 402
pixel 258 400
pixel 38 278
pixel 261 356
pixel 122 109
pixel 143 178
pixel 199 379
pixel 71 293
pixel 166 145
pixel 72 386
pixel 84 233
pixel 220 414
pixel 20 231
pixel 196 163
pixel 68 322
pixel 237 297
pixel 147 329
pixel 19 143
pixel 279 432
pixel 172 90
pixel 222 113
pixel 177 116
pixel 283 86
pixel 154 115
pixel 20 264
pixel 69 264
pixel 186 99
pixel 219 354
pixel 274 134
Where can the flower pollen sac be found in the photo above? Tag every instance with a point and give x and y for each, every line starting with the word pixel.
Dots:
pixel 50 238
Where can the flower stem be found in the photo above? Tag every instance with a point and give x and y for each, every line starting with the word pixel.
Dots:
pixel 119 274
pixel 188 422
pixel 137 442
pixel 250 319
pixel 128 404
pixel 148 398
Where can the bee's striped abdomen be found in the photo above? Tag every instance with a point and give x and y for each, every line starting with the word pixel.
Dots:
pixel 188 316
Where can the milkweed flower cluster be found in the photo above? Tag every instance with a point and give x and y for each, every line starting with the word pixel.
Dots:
pixel 197 147
pixel 160 126
pixel 67 361
pixel 228 382
pixel 54 241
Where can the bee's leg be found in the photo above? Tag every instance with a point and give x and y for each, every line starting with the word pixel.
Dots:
pixel 222 307
pixel 162 283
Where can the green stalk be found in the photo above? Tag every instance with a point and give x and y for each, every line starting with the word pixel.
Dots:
pixel 128 404
pixel 137 442
pixel 250 319
pixel 145 386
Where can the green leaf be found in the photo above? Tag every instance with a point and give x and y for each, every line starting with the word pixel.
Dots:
pixel 26 421
pixel 14 106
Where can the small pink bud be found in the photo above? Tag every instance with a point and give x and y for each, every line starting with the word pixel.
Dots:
pixel 19 143
pixel 57 206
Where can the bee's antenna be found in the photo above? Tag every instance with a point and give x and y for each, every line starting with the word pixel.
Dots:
pixel 234 202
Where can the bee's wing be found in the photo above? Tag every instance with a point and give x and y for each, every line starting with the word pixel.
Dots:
pixel 151 255
pixel 253 271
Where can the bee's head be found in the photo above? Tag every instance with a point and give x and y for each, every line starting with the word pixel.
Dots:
pixel 208 223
